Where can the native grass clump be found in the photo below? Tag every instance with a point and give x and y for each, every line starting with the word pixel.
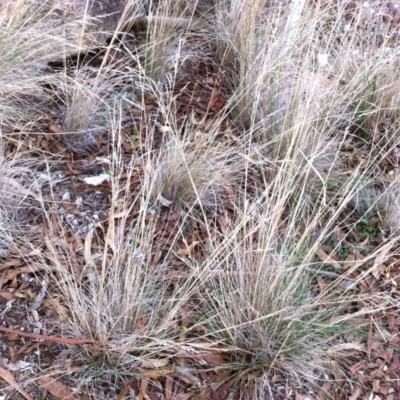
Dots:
pixel 211 199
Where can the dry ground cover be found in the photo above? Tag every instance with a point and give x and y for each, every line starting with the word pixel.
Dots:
pixel 205 207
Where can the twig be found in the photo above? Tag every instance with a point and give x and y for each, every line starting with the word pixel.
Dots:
pixel 52 338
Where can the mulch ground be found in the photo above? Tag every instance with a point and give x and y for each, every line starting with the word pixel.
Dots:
pixel 72 208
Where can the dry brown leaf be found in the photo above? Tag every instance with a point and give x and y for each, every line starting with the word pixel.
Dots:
pixel 377 268
pixel 55 128
pixel 396 361
pixel 18 188
pixel 142 390
pixel 156 373
pixel 323 256
pixel 14 283
pixel 12 337
pixel 13 262
pixel 211 358
pixel 357 392
pixel 5 294
pixel 125 389
pixel 110 234
pixel 9 378
pixel 356 367
pixel 154 363
pixel 324 390
pixel 350 258
pixel 55 306
pixel 185 396
pixel 226 387
pixel 169 383
pixel 157 257
pixel 385 388
pixel 337 376
pixel 140 322
pixel 3 279
pixel 25 349
pixel 57 388
pixel 217 382
pixel 231 193
pixel 187 249
pixel 376 387
pixel 173 216
pixel 32 267
pixel 187 377
pixel 34 252
pixel 87 252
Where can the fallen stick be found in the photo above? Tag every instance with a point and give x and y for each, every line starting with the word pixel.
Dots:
pixel 51 338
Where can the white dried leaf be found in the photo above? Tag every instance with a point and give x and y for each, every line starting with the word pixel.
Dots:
pixel 18 366
pixel 165 202
pixel 323 60
pixel 97 180
pixel 155 363
pixel 66 196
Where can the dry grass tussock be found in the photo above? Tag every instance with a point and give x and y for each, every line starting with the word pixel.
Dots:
pixel 214 197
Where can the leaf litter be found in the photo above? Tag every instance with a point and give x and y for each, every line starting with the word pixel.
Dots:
pixel 78 198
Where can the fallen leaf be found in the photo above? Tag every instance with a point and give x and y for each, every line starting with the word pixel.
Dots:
pixel 211 358
pixel 5 294
pixel 356 393
pixel 164 202
pixel 142 390
pixel 169 388
pixel 385 388
pixel 324 390
pixel 55 128
pixel 13 262
pixel 155 363
pixel 9 378
pixel 131 383
pixel 323 256
pixel 16 187
pixel 187 249
pixel 25 349
pixel 156 373
pixel 185 396
pixel 17 366
pixel 87 250
pixel 57 388
pixel 376 386
pixel 33 267
pixel 377 269
pixel 40 296
pixel 97 180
